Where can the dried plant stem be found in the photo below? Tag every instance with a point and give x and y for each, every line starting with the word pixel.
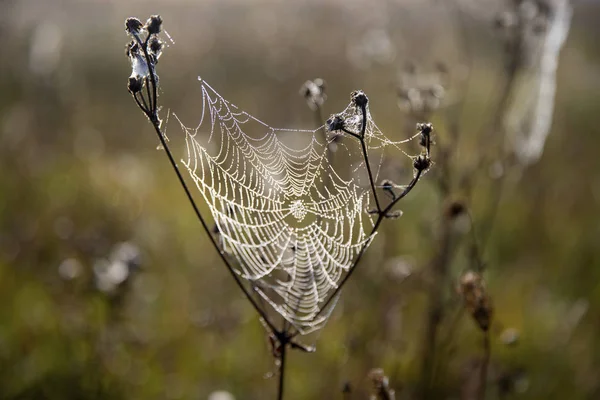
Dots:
pixel 151 113
pixel 281 360
pixel 487 352
pixel 282 338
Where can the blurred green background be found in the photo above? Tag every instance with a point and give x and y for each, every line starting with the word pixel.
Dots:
pixel 83 186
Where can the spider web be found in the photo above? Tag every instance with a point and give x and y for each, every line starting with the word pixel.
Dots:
pixel 292 222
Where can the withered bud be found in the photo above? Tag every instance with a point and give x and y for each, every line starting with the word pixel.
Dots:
pixel 155 45
pixel 153 24
pixel 335 123
pixel 359 98
pixel 425 128
pixel 421 163
pixel 476 300
pixel 133 25
pixel 135 84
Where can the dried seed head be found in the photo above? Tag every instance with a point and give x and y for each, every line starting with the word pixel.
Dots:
pixel 153 24
pixel 425 128
pixel 421 162
pixel 476 300
pixel 335 123
pixel 135 84
pixel 133 25
pixel 155 45
pixel 359 98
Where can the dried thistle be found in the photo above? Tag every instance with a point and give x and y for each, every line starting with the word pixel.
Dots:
pixel 476 299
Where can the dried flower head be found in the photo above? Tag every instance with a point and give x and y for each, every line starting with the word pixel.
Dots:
pixel 425 128
pixel 154 24
pixel 135 84
pixel 335 123
pixel 476 299
pixel 133 26
pixel 421 162
pixel 155 46
pixel 359 98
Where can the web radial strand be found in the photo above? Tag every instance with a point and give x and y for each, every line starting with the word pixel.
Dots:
pixel 292 236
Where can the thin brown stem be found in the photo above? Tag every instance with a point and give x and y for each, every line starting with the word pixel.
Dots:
pixel 487 352
pixel 282 356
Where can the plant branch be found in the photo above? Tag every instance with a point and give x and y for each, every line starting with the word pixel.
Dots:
pixel 487 351
pixel 152 115
pixel 282 353
pixel 363 128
